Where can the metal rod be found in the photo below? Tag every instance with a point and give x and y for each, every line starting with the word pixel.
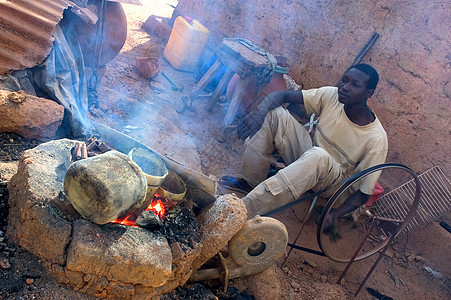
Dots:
pixel 365 49
pixel 312 251
pixel 377 261
pixel 99 34
pixel 302 199
pixel 168 79
pixel 205 274
pixel 362 49
pixel 300 230
pixel 359 57
pixel 367 212
pixel 93 79
pixel 446 226
pixel 373 222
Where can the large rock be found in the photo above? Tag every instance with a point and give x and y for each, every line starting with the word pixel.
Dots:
pixel 120 254
pixel 147 66
pixel 104 187
pixel 29 116
pixel 218 223
pixel 33 222
pixel 182 259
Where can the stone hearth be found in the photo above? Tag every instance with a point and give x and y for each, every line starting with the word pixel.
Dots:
pixel 111 260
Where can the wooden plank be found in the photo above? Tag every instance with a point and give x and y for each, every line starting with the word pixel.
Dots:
pixel 205 80
pixel 236 100
pixel 241 59
pixel 247 55
pixel 218 91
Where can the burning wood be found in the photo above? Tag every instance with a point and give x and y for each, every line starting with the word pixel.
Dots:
pixel 149 220
pixel 158 207
pixel 151 217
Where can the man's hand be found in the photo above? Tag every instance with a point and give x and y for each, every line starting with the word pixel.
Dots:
pixel 253 121
pixel 331 221
pixel 354 201
pixel 250 124
pixel 331 226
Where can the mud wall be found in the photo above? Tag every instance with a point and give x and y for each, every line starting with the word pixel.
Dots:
pixel 320 38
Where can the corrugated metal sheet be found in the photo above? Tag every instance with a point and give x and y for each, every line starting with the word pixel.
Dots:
pixel 26 31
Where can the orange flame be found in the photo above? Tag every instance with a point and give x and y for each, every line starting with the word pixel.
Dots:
pixel 157 205
pixel 127 221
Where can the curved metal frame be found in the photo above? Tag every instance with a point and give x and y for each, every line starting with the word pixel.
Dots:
pixel 349 182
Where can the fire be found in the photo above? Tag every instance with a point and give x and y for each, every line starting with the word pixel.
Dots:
pixel 127 221
pixel 157 205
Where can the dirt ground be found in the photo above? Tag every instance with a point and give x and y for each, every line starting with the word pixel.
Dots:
pixel 418 267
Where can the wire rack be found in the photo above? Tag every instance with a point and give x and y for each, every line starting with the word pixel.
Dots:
pixel 435 200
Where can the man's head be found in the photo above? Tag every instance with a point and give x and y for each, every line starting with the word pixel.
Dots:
pixel 371 72
pixel 357 84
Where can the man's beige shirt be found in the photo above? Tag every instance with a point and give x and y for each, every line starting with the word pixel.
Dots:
pixel 354 147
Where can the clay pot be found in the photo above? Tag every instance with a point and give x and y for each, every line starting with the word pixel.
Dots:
pixel 105 187
pixel 249 99
pixel 173 188
pixel 154 169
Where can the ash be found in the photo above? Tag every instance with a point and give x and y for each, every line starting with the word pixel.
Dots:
pixel 190 292
pixel 180 227
pixel 4 196
pixel 9 281
pixel 12 146
pixel 198 291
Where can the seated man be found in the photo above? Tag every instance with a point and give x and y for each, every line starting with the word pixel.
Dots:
pixel 348 139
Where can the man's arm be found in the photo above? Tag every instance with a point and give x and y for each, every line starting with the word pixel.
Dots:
pixel 254 120
pixel 354 201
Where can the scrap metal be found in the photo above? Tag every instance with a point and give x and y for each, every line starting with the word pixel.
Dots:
pixel 26 31
pixel 27 28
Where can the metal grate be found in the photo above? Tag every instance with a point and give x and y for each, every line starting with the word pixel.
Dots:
pixel 435 200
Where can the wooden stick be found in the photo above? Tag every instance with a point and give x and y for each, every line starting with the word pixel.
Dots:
pixel 84 151
pixel 77 151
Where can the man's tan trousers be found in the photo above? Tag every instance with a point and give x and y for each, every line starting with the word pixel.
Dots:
pixel 308 167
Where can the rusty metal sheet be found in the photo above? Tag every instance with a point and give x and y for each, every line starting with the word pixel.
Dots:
pixel 26 31
pixel 134 2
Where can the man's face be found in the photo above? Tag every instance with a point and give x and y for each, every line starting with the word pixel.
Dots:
pixel 352 87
